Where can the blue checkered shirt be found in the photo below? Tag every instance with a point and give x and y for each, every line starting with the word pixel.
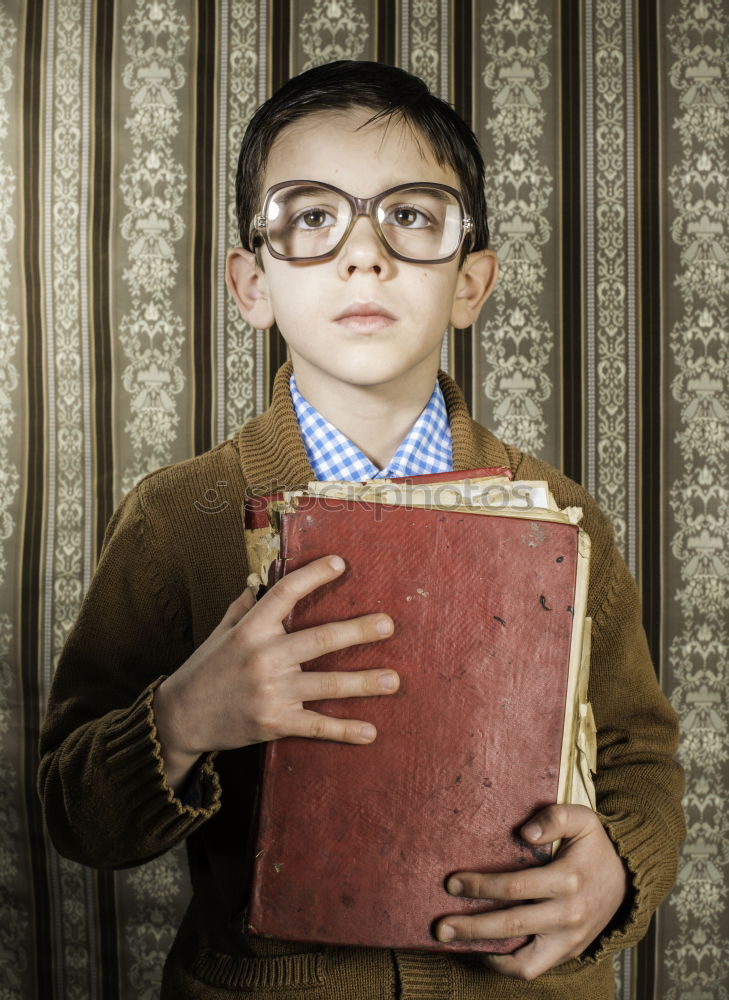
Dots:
pixel 425 449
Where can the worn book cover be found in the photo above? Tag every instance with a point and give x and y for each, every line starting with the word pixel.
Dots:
pixel 489 724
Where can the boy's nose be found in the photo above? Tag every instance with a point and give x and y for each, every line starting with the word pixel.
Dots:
pixel 363 249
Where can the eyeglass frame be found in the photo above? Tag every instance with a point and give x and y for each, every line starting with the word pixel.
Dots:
pixel 359 207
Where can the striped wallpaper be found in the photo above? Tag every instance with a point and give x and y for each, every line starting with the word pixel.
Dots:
pixel 605 129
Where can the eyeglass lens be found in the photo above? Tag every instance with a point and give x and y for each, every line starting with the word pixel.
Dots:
pixel 420 222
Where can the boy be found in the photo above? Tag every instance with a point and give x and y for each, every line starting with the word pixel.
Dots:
pixel 172 677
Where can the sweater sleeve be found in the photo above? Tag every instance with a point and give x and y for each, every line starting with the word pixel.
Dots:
pixel 639 782
pixel 101 777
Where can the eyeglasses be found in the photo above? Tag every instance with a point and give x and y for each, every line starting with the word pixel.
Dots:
pixel 310 220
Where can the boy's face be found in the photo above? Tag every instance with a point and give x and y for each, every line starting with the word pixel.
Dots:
pixel 399 346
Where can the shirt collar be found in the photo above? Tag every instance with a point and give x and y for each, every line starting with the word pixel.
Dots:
pixel 425 449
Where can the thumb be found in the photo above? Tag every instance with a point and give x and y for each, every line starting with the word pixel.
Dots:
pixel 559 822
pixel 238 609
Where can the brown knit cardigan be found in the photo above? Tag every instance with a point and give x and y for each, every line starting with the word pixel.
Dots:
pixel 169 568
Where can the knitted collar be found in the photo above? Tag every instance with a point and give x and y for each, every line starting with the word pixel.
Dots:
pixel 272 452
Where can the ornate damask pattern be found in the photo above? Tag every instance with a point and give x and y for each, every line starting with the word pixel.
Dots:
pixel 610 293
pixel 240 360
pixel 155 36
pixel 69 353
pixel 516 339
pixel 697 956
pixel 423 42
pixel 332 29
pixel 157 889
pixel 424 53
pixel 68 533
pixel 14 917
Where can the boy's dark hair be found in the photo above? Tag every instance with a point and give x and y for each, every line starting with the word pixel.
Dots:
pixel 390 92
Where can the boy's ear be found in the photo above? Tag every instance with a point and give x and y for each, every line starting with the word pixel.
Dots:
pixel 476 280
pixel 246 282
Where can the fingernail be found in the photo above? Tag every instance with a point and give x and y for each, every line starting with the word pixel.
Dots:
pixel 384 626
pixel 446 933
pixel 367 733
pixel 455 887
pixel 336 562
pixel 388 682
pixel 533 831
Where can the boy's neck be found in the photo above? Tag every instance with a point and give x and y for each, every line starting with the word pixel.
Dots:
pixel 374 418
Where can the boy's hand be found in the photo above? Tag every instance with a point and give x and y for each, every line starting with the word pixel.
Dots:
pixel 245 684
pixel 567 903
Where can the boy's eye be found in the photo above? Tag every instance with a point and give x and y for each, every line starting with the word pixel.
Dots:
pixel 408 217
pixel 313 218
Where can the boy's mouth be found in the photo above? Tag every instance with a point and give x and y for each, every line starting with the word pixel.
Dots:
pixel 365 316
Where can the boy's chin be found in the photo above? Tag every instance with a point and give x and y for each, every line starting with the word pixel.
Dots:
pixel 372 373
pixel 373 379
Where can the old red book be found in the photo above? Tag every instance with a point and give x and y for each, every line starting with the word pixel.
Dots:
pixel 355 843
